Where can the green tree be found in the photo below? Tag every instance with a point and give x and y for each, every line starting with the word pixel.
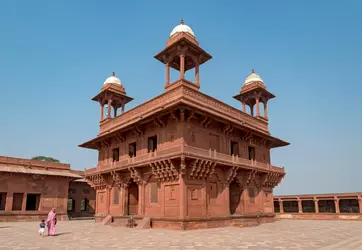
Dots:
pixel 45 158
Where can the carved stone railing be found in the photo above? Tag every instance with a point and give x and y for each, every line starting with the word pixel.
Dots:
pixel 226 110
pixel 188 94
pixel 188 151
pixel 142 110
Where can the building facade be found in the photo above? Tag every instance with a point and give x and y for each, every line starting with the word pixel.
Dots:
pixel 184 159
pixel 29 189
pixel 319 206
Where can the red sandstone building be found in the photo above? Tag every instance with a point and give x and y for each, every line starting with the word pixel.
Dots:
pixel 29 189
pixel 184 159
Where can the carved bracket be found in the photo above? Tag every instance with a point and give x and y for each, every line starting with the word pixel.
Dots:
pixel 136 175
pixel 251 177
pixel 98 181
pixel 202 169
pixel 230 174
pixel 120 137
pixel 206 122
pixel 164 170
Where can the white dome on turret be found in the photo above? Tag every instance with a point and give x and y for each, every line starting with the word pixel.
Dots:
pixel 182 28
pixel 113 79
pixel 253 78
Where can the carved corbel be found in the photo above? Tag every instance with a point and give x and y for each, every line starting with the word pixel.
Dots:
pixel 248 136
pixel 120 137
pixel 230 174
pixel 182 114
pixel 173 115
pixel 161 121
pixel 192 115
pixel 136 175
pixel 182 166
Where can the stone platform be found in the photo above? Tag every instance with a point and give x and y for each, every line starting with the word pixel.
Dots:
pixel 285 234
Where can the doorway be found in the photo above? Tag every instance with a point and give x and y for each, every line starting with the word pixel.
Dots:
pixel 235 195
pixel 133 199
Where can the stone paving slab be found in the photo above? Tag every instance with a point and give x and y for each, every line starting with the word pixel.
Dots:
pixel 287 234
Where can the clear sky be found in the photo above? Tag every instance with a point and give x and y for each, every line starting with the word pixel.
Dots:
pixel 55 56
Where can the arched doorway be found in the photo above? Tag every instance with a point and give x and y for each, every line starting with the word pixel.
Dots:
pixel 133 199
pixel 235 195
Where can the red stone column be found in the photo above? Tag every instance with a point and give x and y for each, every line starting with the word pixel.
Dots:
pixel 300 208
pixel 141 199
pixel 102 113
pixel 197 80
pixel 257 107
pixel 316 208
pixel 183 197
pixel 125 201
pixel 244 106
pixel 336 204
pixel 167 75
pixel 281 208
pixel 360 204
pixel 251 110
pixel 266 110
pixel 115 111
pixel 122 108
pixel 9 202
pixel 182 66
pixel 23 204
pixel 109 108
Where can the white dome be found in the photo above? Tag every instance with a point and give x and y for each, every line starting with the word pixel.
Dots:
pixel 182 28
pixel 113 79
pixel 253 78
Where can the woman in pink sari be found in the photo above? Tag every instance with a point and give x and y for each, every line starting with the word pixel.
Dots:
pixel 51 222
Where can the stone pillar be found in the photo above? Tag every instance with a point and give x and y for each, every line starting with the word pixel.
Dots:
pixel 197 80
pixel 266 110
pixel 281 208
pixel 109 108
pixel 23 204
pixel 141 198
pixel 182 66
pixel 122 108
pixel 183 197
pixel 251 110
pixel 9 202
pixel 167 75
pixel 125 200
pixel 244 106
pixel 102 113
pixel 257 107
pixel 336 204
pixel 316 208
pixel 300 207
pixel 115 111
pixel 227 198
pixel 360 204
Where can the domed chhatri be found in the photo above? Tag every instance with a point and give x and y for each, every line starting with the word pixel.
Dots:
pixel 253 78
pixel 182 27
pixel 113 79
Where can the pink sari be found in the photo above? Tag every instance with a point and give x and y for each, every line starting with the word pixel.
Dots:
pixel 51 222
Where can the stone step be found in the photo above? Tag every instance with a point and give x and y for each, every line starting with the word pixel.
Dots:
pixel 81 218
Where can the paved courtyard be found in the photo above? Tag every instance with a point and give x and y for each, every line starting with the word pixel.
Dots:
pixel 342 235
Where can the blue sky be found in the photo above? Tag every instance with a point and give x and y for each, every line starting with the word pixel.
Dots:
pixel 55 55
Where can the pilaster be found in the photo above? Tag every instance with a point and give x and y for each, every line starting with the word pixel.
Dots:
pixel 23 204
pixel 281 208
pixel 336 204
pixel 300 207
pixel 360 204
pixel 9 202
pixel 316 208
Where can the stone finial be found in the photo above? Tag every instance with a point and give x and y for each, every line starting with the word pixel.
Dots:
pixel 252 71
pixel 113 74
pixel 182 21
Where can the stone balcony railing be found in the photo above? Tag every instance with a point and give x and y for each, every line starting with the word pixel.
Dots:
pixel 186 151
pixel 190 96
pixel 4 160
